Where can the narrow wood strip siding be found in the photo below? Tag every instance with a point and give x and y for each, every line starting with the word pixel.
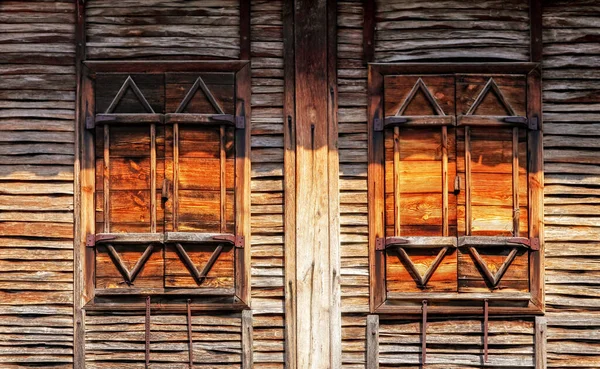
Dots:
pixel 177 29
pixel 116 341
pixel 572 175
pixel 410 30
pixel 267 183
pixel 456 343
pixel 352 118
pixel 37 95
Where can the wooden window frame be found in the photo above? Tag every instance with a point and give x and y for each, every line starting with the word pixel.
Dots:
pixel 85 195
pixel 452 303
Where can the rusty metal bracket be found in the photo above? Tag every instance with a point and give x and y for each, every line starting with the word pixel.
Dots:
pixel 377 124
pixel 534 124
pixel 382 243
pixel 516 120
pixel 240 122
pixel 237 241
pixel 237 120
pixel 90 122
pixel 531 243
pixel 92 239
pixel 424 334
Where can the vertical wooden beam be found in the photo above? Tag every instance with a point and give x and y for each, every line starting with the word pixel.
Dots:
pixel 541 331
pixel 222 179
pixel 515 181
pixel 468 215
pixel 535 154
pixel 84 176
pixel 334 175
pixel 175 202
pixel 372 342
pixel 245 27
pixel 369 31
pixel 313 280
pixel 376 205
pixel 152 178
pixel 445 218
pixel 289 182
pixel 247 340
pixel 535 29
pixel 242 186
pixel 106 178
pixel 397 229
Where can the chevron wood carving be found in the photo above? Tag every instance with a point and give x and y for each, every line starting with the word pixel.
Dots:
pixel 129 275
pixel 421 280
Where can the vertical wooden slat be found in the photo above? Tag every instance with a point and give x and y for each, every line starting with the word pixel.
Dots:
pixel 175 204
pixel 468 216
pixel 445 220
pixel 106 178
pixel 242 182
pixel 535 19
pixel 334 175
pixel 536 186
pixel 515 180
pixel 397 227
pixel 289 183
pixel 541 348
pixel 152 178
pixel 222 161
pixel 372 342
pixel 313 286
pixel 247 332
pixel 84 176
pixel 245 27
pixel 376 190
pixel 369 31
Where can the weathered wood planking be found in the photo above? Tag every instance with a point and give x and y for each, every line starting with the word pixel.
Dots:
pixel 412 31
pixel 267 197
pixel 37 111
pixel 175 29
pixel 571 106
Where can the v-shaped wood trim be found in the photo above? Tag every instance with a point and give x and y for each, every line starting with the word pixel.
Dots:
pixel 188 97
pixel 129 83
pixel 420 85
pixel 491 84
pixel 414 272
pixel 493 279
pixel 128 275
pixel 199 276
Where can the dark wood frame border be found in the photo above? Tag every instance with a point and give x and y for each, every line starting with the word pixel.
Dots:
pixel 379 301
pixel 86 221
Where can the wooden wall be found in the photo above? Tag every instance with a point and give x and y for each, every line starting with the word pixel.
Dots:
pixel 572 174
pixel 37 109
pixel 37 104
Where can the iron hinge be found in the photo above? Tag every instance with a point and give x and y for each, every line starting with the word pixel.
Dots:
pixel 533 124
pixel 237 241
pixel 92 239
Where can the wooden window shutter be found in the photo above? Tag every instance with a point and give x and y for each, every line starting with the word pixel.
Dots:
pixel 129 166
pixel 201 167
pixel 453 199
pixel 492 150
pixel 172 171
pixel 420 168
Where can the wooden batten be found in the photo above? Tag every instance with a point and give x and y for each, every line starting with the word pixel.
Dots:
pixel 372 338
pixel 289 182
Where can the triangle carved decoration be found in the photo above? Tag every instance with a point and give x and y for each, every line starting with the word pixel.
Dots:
pixel 199 84
pixel 420 86
pixel 129 84
pixel 493 278
pixel 491 86
pixel 421 280
pixel 199 275
pixel 129 275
